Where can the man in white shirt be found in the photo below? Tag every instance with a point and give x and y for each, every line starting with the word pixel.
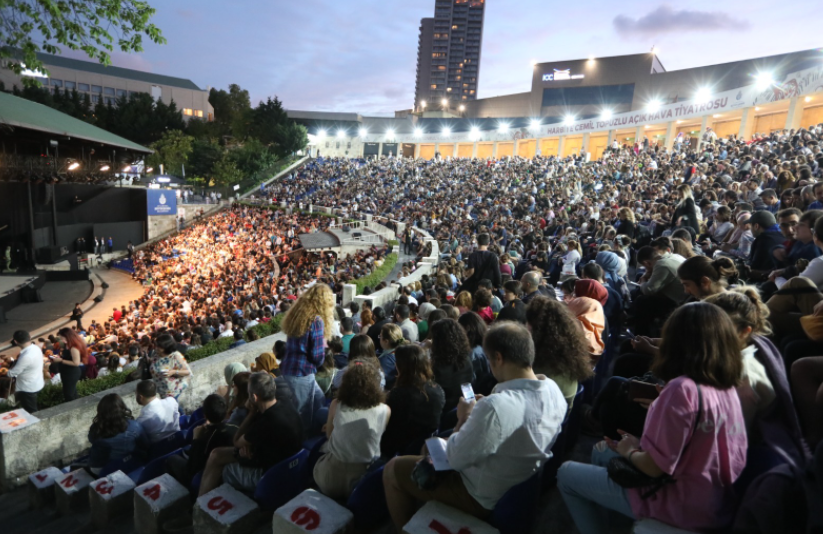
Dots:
pixel 158 417
pixel 28 371
pixel 499 441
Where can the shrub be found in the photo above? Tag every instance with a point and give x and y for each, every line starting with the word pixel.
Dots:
pixel 52 395
pixel 378 275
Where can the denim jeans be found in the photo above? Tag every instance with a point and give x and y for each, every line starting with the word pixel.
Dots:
pixel 589 493
pixel 309 398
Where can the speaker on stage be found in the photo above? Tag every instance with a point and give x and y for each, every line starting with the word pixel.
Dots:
pixel 31 294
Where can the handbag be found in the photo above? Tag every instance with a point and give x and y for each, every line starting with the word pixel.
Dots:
pixel 624 473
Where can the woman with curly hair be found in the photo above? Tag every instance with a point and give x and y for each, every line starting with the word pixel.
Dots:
pixel 74 355
pixel 308 326
pixel 356 422
pixel 114 434
pixel 416 402
pixel 366 320
pixel 451 359
pixel 560 349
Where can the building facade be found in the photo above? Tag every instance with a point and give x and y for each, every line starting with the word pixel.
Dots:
pixel 586 105
pixel 107 84
pixel 449 54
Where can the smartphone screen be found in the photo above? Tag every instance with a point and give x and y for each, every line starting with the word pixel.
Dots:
pixel 468 392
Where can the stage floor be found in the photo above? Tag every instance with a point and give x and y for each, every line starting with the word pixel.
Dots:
pixel 9 283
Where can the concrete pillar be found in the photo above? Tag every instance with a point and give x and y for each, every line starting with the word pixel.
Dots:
pixel 671 133
pixel 560 144
pixel 516 144
pixel 349 292
pixel 494 150
pixel 474 150
pixel 380 150
pixel 747 124
pixel 436 149
pixel 585 146
pixel 795 115
pixel 416 150
pixel 638 134
pixel 311 511
pixel 704 123
pixel 612 136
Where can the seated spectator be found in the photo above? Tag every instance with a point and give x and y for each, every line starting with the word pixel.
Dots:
pixel 229 373
pixel 561 350
pixel 238 407
pixel 475 329
pixel 266 363
pixel 694 433
pixel 482 302
pixel 114 434
pixel 703 277
pixel 325 375
pixel 347 329
pixel 749 315
pixel 463 302
pixel 416 402
pixel 588 311
pixel 613 308
pixel 390 337
pixel 356 422
pixel 271 432
pixel 239 339
pixel 499 441
pixel 423 313
pixel 169 369
pixel 380 320
pixel 159 418
pixel 451 359
pixel 401 318
pixel 214 433
pixel 660 288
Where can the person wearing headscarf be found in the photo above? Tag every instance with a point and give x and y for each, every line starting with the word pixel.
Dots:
pixel 267 363
pixel 228 373
pixel 591 289
pixel 590 314
pixel 610 263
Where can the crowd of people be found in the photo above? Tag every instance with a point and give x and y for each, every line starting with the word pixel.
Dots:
pixel 674 294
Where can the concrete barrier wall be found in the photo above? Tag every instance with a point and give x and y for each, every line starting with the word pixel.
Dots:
pixel 61 434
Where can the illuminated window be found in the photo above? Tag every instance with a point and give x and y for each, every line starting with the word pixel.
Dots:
pixel 448 89
pixel 465 85
pixel 458 77
pixel 454 27
pixel 464 97
pixel 434 86
pixel 198 113
pixel 471 92
pixel 441 67
pixel 187 112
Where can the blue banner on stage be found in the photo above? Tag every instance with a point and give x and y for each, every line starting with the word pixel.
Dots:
pixel 161 202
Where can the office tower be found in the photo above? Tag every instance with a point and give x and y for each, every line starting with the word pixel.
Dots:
pixel 448 58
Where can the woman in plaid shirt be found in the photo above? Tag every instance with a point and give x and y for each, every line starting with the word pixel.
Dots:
pixel 308 326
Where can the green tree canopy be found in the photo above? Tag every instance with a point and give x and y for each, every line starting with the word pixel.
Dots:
pixel 232 111
pixel 93 26
pixel 172 151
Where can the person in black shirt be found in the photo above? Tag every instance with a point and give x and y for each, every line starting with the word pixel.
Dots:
pixel 482 264
pixel 271 432
pixel 451 361
pixel 207 437
pixel 416 403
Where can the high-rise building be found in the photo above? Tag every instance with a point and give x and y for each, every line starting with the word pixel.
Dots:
pixel 448 57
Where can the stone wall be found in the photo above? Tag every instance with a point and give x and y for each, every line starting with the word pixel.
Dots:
pixel 161 224
pixel 61 434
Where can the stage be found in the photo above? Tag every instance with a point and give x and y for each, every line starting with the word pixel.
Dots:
pixel 16 289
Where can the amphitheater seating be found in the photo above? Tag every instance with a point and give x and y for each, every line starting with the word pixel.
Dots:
pixel 368 501
pixel 516 511
pixel 282 482
pixel 153 469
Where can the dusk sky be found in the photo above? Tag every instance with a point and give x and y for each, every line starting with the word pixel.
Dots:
pixel 360 55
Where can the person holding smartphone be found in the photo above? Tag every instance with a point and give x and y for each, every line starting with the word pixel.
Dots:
pixel 499 440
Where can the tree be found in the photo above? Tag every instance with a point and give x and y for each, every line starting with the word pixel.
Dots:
pixel 232 111
pixel 292 138
pixel 172 151
pixel 265 120
pixel 204 155
pixel 252 157
pixel 226 172
pixel 31 26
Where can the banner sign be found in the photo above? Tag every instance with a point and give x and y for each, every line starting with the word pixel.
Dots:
pixel 161 202
pixel 793 85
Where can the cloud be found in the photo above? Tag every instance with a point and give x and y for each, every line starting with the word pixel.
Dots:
pixel 664 19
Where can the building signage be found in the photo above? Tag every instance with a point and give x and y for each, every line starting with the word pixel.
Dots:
pixel 161 202
pixel 561 75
